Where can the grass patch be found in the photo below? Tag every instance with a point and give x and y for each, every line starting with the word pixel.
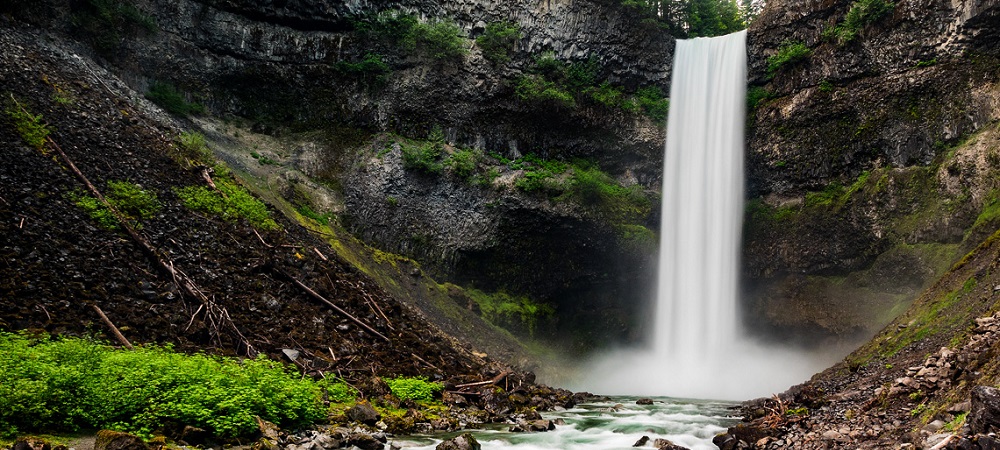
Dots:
pixel 130 200
pixel 69 384
pixel 230 202
pixel 191 146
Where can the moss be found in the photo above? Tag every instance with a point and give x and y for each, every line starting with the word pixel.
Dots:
pixel 129 199
pixel 30 127
pixel 230 202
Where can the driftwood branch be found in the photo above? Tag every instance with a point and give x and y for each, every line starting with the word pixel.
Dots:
pixel 114 330
pixel 338 309
pixel 493 381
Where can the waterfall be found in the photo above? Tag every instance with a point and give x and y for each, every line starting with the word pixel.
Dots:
pixel 698 349
pixel 702 211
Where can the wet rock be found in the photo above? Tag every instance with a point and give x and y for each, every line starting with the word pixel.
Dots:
pixel 31 443
pixel 363 413
pixel 117 440
pixel 464 442
pixel 364 441
pixel 665 444
pixel 641 442
pixel 984 416
pixel 644 401
pixel 542 425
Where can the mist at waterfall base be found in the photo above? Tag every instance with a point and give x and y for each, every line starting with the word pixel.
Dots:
pixel 699 349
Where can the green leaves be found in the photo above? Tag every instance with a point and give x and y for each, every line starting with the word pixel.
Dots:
pixel 416 389
pixel 70 383
pixel 230 202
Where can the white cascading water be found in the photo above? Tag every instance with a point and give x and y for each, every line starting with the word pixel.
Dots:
pixel 699 350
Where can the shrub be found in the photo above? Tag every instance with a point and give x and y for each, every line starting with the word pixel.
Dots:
pixel 789 53
pixel 68 384
pixel 372 69
pixel 536 89
pixel 606 95
pixel 439 40
pixel 131 201
pixel 651 102
pixel 416 389
pixel 499 39
pixel 170 99
pixel 192 146
pixel 237 203
pixel 462 163
pixel 425 156
pixel 33 131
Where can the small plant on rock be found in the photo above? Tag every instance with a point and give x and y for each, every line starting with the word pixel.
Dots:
pixel 498 41
pixel 29 126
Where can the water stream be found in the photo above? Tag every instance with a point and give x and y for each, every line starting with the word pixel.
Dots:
pixel 610 425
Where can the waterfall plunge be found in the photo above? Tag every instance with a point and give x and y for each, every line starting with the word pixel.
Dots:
pixel 698 350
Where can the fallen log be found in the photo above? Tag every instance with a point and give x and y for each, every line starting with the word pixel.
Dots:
pixel 493 381
pixel 114 330
pixel 336 308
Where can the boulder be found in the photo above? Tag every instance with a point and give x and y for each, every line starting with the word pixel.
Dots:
pixel 117 440
pixel 542 425
pixel 644 401
pixel 364 441
pixel 665 444
pixel 363 413
pixel 641 442
pixel 984 416
pixel 464 442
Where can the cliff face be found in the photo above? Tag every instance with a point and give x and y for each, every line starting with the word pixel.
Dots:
pixel 869 167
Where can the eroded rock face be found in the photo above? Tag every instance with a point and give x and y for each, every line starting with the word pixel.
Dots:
pixel 852 163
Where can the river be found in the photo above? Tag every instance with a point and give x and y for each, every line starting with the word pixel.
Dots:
pixel 608 425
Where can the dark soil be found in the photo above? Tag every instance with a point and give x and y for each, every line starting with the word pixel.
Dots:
pixel 55 261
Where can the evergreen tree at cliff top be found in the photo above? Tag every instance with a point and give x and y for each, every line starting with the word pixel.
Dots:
pixel 695 18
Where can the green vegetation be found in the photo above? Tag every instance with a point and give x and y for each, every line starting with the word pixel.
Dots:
pixel 566 85
pixel 416 389
pixel 757 95
pixel 536 89
pixel 505 310
pixel 107 23
pixel 834 195
pixel 170 99
pixel 322 219
pixel 263 160
pixel 192 147
pixel 861 14
pixel 498 41
pixel 825 86
pixel 651 102
pixel 33 131
pixel 230 202
pixel 991 210
pixel 462 162
pixel 440 40
pixel 372 70
pixel 693 18
pixel 425 156
pixel 789 53
pixel 129 199
pixel 70 384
